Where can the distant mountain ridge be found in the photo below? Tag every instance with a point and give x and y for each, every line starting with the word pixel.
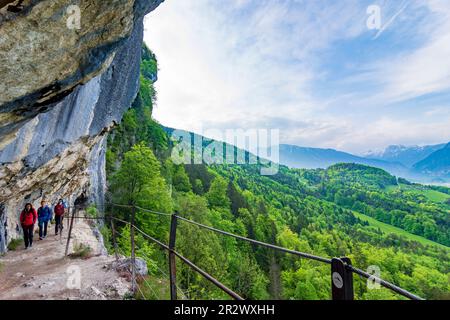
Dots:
pixel 313 158
pixel 436 164
pixel 406 155
pixel 426 164
pixel 432 166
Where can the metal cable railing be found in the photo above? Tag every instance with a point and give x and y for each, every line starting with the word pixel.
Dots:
pixel 384 283
pixel 163 273
pixel 188 262
pixel 341 268
pixel 263 244
pixel 138 287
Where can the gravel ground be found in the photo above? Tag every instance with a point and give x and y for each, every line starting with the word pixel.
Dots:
pixel 44 273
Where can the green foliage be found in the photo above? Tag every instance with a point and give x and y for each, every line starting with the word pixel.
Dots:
pixel 373 192
pixel 81 251
pixel 144 249
pixel 236 198
pixel 307 284
pixel 14 244
pixel 199 177
pixel 146 92
pixel 361 174
pixel 138 178
pixel 311 223
pixel 149 65
pixel 153 288
pixel 92 212
pixel 138 181
pixel 180 179
pixel 346 210
pixel 111 160
pixel 379 294
pixel 137 124
pixel 217 194
pixel 107 238
pixel 390 229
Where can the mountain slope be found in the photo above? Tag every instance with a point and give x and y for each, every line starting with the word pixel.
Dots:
pixel 390 229
pixel 306 210
pixel 312 158
pixel 406 155
pixel 436 164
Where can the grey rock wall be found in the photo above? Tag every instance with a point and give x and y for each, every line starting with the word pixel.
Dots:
pixel 56 149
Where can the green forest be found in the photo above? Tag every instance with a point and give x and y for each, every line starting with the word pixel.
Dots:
pixel 322 212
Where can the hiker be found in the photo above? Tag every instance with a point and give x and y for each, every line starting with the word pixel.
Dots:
pixel 28 219
pixel 44 216
pixel 59 215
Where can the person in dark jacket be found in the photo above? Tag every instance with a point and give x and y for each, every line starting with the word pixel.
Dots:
pixel 28 219
pixel 59 215
pixel 44 216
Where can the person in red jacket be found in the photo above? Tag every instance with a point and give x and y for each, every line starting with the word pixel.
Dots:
pixel 28 219
pixel 59 215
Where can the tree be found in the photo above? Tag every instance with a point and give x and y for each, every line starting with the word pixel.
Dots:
pixel 300 209
pixel 138 171
pixel 198 186
pixel 236 198
pixel 180 179
pixel 138 182
pixel 217 194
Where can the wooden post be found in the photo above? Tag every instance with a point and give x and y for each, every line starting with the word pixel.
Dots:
pixel 172 257
pixel 133 254
pixel 70 230
pixel 341 279
pixel 113 231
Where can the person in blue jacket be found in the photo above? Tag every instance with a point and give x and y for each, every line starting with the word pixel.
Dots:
pixel 44 216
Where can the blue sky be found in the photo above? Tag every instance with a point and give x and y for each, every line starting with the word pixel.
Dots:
pixel 311 68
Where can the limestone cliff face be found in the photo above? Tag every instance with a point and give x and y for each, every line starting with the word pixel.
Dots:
pixel 62 89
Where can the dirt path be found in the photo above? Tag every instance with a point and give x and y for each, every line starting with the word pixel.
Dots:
pixel 44 273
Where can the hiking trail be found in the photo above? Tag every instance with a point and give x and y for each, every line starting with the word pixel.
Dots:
pixel 43 272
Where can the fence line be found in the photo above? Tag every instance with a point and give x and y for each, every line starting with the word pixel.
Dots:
pixel 341 268
pixel 140 208
pixel 188 262
pixel 384 283
pixel 165 275
pixel 143 254
pixel 263 244
pixel 131 274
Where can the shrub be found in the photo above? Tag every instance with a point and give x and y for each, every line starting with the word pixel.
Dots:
pixel 14 244
pixel 92 211
pixel 81 251
pixel 153 288
pixel 107 238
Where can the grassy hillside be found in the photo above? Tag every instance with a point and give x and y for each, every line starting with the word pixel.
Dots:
pixel 430 194
pixel 375 193
pixel 387 228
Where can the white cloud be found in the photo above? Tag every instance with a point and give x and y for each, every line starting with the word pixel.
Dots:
pixel 244 63
pixel 214 66
pixel 397 131
pixel 423 70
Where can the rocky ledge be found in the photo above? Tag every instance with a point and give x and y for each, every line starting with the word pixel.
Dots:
pixel 63 87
